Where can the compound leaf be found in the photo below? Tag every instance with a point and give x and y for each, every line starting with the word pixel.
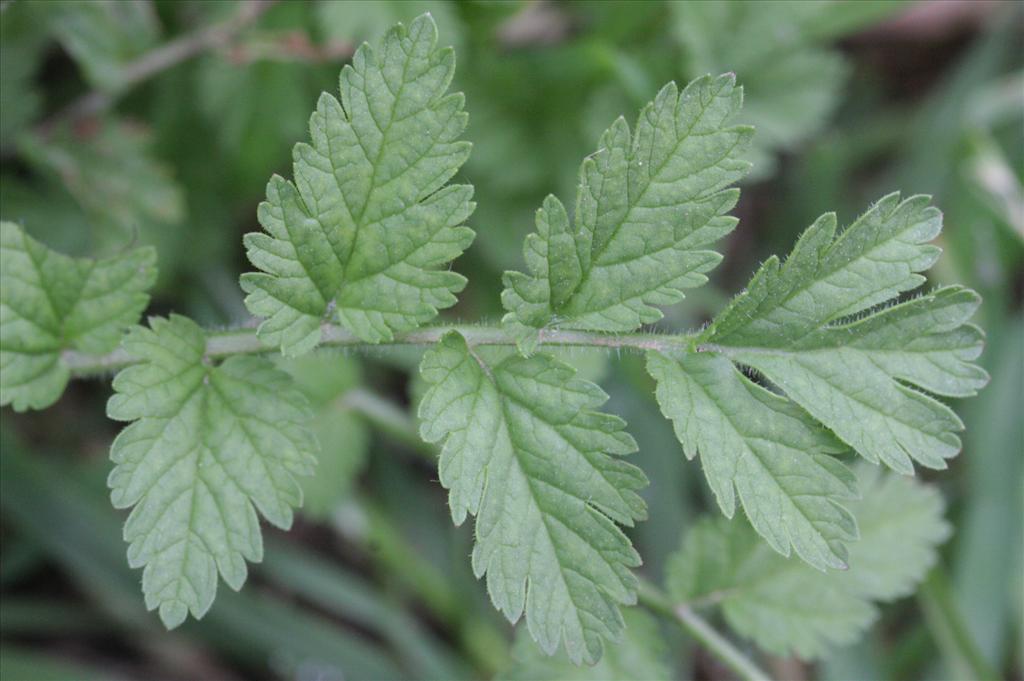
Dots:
pixel 649 205
pixel 364 232
pixel 526 452
pixel 50 302
pixel 863 378
pixel 788 607
pixel 209 446
pixel 766 448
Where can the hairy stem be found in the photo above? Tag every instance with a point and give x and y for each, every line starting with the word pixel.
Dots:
pixel 220 344
pixel 722 648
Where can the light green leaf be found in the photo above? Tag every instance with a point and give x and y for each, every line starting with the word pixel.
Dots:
pixel 365 232
pixel 209 446
pixel 639 655
pixel 797 323
pixel 766 448
pixel 649 206
pixel 526 452
pixel 50 303
pixel 788 607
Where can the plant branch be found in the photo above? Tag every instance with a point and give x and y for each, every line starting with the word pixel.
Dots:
pixel 243 341
pixel 388 418
pixel 654 599
pixel 160 59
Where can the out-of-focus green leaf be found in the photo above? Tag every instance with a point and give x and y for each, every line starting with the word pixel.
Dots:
pixel 791 81
pixel 22 37
pixel 989 544
pixel 787 606
pixel 55 216
pixel 252 133
pixel 350 596
pixel 639 655
pixel 988 172
pixel 325 378
pixel 357 21
pixel 104 35
pixel 126 193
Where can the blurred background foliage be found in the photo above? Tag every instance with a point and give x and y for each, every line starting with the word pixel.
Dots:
pixel 160 122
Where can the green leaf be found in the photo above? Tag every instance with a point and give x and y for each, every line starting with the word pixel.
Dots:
pixel 104 36
pixel 325 377
pixel 802 325
pixel 365 232
pixel 788 607
pixel 649 206
pixel 208 445
pixel 50 303
pixel 526 452
pixel 126 193
pixel 792 82
pixel 22 46
pixel 767 449
pixel 640 654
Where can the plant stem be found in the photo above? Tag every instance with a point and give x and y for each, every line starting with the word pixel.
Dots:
pixel 654 599
pixel 244 341
pixel 390 419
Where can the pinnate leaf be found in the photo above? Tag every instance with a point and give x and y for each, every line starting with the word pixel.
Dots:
pixel 802 325
pixel 649 206
pixel 526 452
pixel 209 445
pixel 786 606
pixel 767 449
pixel 50 302
pixel 363 234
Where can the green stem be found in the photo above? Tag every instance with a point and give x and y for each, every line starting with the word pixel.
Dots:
pixel 388 418
pixel 244 341
pixel 654 599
